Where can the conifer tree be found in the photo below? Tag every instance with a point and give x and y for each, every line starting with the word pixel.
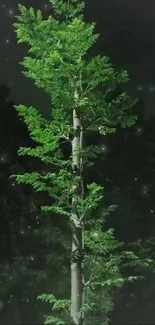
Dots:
pixel 80 92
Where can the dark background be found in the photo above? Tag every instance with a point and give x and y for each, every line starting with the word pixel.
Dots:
pixel 127 170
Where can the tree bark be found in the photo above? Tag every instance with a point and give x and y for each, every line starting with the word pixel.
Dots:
pixel 77 260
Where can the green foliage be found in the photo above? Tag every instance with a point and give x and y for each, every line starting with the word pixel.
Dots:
pixel 60 306
pixel 57 63
pixel 69 8
pixel 60 67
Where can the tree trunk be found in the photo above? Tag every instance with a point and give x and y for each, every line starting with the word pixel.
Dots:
pixel 77 260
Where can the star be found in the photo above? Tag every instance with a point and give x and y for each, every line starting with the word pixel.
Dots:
pixel 139 131
pixel 151 88
pixel 145 190
pixel 103 148
pixel 7 41
pixel 46 7
pixel 139 88
pixel 11 12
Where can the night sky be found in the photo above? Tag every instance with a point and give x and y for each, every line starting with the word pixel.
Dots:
pixel 127 36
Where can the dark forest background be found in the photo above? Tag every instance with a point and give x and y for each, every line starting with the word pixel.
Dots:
pixel 126 169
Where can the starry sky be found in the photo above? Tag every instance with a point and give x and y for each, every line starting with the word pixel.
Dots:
pixel 127 36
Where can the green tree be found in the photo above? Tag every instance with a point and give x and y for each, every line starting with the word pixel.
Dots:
pixel 80 95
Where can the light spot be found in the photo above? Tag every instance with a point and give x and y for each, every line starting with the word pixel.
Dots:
pixel 139 131
pixel 103 148
pixel 11 12
pixel 139 88
pixel 7 41
pixel 145 190
pixel 46 7
pixel 151 88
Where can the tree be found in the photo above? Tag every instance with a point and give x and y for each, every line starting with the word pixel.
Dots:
pixel 22 226
pixel 79 90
